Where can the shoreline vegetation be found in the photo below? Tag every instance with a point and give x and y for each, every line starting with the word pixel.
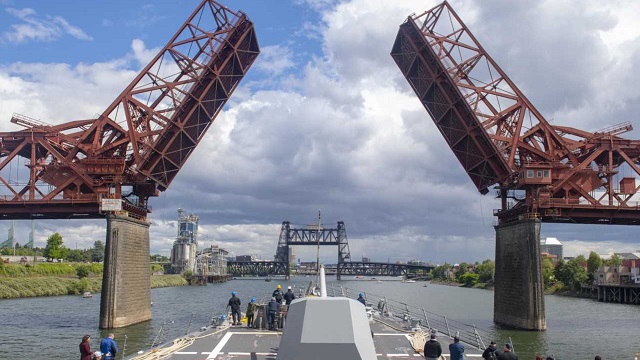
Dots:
pixel 53 279
pixel 554 290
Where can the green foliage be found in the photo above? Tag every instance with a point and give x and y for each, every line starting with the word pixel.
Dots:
pixel 82 271
pixel 97 252
pixel 439 271
pixel 158 258
pixel 548 273
pixel 46 286
pixel 469 279
pixel 593 263
pixel 75 255
pixel 614 261
pixel 167 280
pixel 48 269
pixel 571 273
pixel 485 271
pixel 54 248
pixel 156 267
pixel 12 288
pixel 461 271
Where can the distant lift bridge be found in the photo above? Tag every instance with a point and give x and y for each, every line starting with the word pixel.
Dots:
pixel 315 236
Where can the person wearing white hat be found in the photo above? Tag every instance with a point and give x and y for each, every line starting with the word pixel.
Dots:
pixel 289 296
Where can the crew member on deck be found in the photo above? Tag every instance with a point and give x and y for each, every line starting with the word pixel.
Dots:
pixel 277 293
pixel 361 299
pixel 432 348
pixel 273 308
pixel 251 306
pixel 289 296
pixel 234 304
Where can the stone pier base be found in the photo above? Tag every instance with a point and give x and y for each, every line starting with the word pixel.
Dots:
pixel 519 288
pixel 126 280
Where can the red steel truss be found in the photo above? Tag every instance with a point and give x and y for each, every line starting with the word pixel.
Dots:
pixel 556 173
pixel 136 147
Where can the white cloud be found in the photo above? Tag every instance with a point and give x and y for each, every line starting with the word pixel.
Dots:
pixel 348 136
pixel 274 60
pixel 34 27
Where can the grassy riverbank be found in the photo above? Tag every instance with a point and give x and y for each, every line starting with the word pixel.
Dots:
pixel 51 279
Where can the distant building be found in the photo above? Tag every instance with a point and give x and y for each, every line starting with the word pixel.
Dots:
pixel 308 265
pixel 554 258
pixel 632 261
pixel 614 275
pixel 246 258
pixel 365 259
pixel 183 253
pixel 552 246
pixel 212 261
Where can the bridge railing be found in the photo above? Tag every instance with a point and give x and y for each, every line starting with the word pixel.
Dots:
pixel 413 315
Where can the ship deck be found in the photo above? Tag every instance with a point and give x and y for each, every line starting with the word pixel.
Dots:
pixel 240 342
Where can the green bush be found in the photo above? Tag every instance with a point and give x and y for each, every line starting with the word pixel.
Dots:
pixel 82 271
pixel 49 269
pixel 158 281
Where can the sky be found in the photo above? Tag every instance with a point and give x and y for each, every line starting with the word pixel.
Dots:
pixel 324 120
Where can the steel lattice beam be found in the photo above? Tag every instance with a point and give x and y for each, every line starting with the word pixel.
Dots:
pixel 499 137
pixel 143 138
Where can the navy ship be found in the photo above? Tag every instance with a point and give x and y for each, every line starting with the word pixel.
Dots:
pixel 325 326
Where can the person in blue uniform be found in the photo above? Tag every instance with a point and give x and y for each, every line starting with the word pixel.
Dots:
pixel 273 307
pixel 234 304
pixel 361 299
pixel 289 296
pixel 456 349
pixel 108 347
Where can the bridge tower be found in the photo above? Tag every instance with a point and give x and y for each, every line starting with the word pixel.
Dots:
pixel 542 172
pixel 109 167
pixel 312 235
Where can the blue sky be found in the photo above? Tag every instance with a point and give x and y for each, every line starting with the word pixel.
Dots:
pixel 324 119
pixel 102 30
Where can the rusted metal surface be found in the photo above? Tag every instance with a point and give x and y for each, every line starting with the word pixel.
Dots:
pixel 558 173
pixel 136 147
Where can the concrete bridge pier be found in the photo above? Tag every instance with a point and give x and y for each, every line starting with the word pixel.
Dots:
pixel 519 288
pixel 126 279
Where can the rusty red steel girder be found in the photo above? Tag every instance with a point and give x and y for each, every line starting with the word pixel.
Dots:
pixel 555 173
pixel 135 148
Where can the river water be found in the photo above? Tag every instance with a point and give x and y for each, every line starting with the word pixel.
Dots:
pixel 52 327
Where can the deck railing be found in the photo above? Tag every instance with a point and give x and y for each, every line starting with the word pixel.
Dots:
pixel 413 316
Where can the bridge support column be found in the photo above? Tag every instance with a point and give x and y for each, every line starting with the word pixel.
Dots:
pixel 126 280
pixel 519 288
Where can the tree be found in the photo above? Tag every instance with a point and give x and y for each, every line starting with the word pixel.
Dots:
pixel 54 248
pixel 614 261
pixel 469 279
pixel 462 269
pixel 571 273
pixel 75 255
pixel 82 271
pixel 593 263
pixel 97 252
pixel 485 271
pixel 439 271
pixel 548 276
